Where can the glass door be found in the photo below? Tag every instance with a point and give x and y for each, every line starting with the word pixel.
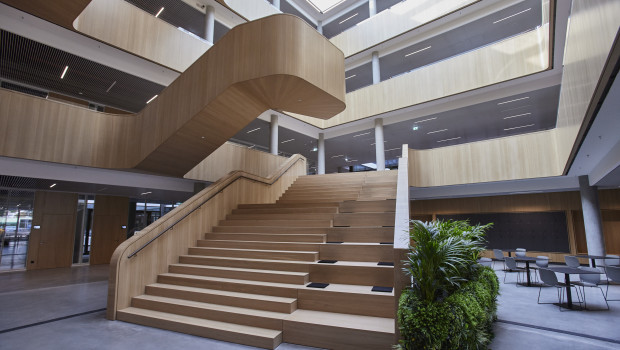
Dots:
pixel 83 229
pixel 15 226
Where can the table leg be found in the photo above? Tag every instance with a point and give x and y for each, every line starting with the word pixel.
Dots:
pixel 510 254
pixel 527 269
pixel 593 262
pixel 569 297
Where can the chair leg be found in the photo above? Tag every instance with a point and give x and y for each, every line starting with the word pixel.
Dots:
pixel 606 303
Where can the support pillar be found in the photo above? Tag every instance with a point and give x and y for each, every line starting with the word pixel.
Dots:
pixel 321 154
pixel 319 27
pixel 273 135
pixel 372 7
pixel 276 4
pixel 592 220
pixel 376 69
pixel 379 144
pixel 210 24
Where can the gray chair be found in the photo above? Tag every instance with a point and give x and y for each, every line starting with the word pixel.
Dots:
pixel 499 256
pixel 511 267
pixel 613 276
pixel 485 262
pixel 549 279
pixel 571 261
pixel 542 262
pixel 590 281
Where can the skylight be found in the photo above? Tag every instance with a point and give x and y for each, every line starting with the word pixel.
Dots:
pixel 324 5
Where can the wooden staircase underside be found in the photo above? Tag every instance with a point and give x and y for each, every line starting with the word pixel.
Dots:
pixel 250 280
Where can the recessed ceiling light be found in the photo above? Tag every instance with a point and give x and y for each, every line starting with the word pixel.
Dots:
pixel 415 127
pixel 414 52
pixel 518 13
pixel 517 115
pixel 350 76
pixel 159 12
pixel 62 76
pixel 348 18
pixel 52 185
pixel 289 140
pixel 519 127
pixel 152 98
pixel 436 131
pixel 340 155
pixel 144 193
pixel 202 137
pixel 252 130
pixel 315 149
pixel 454 138
pixel 366 133
pixel 518 99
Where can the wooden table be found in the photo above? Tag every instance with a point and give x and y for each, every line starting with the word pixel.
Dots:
pixel 567 271
pixel 591 257
pixel 526 260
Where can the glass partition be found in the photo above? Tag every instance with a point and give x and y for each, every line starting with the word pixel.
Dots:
pixel 15 224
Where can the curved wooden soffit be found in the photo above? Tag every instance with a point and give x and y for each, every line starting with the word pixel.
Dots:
pixel 277 62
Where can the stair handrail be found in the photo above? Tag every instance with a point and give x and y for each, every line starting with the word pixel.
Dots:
pixel 223 183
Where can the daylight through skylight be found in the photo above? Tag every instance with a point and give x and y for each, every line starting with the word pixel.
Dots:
pixel 324 5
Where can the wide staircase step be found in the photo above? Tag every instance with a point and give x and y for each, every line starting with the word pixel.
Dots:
pixel 256 253
pixel 262 264
pixel 299 237
pixel 231 332
pixel 241 273
pixel 263 245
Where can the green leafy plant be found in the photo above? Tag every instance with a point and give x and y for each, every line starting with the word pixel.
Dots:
pixel 451 303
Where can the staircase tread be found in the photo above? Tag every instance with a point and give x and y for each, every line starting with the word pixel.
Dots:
pixel 332 319
pixel 261 242
pixel 201 322
pixel 275 272
pixel 220 279
pixel 224 292
pixel 217 307
pixel 261 250
pixel 249 259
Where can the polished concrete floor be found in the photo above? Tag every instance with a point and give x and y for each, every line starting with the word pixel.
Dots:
pixel 64 309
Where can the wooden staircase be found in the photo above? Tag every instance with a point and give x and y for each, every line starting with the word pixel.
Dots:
pixel 249 280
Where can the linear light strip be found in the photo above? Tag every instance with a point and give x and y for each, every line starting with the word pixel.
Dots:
pixel 152 98
pixel 252 130
pixel 159 12
pixel 114 83
pixel 518 13
pixel 425 120
pixel 289 140
pixel 454 138
pixel 518 115
pixel 518 99
pixel 414 52
pixel 436 131
pixel 392 149
pixel 519 127
pixel 348 18
pixel 340 155
pixel 351 76
pixel 366 133
pixel 62 76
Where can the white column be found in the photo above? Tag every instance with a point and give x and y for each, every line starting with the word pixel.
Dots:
pixel 376 70
pixel 319 27
pixel 210 24
pixel 321 154
pixel 273 135
pixel 372 7
pixel 591 217
pixel 276 4
pixel 379 144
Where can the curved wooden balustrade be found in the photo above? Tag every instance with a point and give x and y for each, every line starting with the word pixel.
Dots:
pixel 204 210
pixel 278 62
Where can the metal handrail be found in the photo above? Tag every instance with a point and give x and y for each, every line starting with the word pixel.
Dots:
pixel 204 202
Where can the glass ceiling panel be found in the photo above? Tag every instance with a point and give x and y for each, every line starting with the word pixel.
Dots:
pixel 324 5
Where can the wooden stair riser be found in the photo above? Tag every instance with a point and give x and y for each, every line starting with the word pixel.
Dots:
pixel 321 191
pixel 377 304
pixel 232 300
pixel 180 324
pixel 316 210
pixel 294 216
pixel 316 197
pixel 368 206
pixel 232 285
pixel 251 275
pixel 355 252
pixel 361 234
pixel 270 229
pixel 306 238
pixel 328 337
pixel 308 201
pixel 240 316
pixel 298 247
pixel 292 205
pixel 364 219
pixel 359 275
pixel 292 266
pixel 255 254
pixel 285 223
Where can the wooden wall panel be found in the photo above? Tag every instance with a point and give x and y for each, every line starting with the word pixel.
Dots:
pixel 129 276
pixel 51 246
pixel 62 14
pixel 394 21
pixel 243 75
pixel 592 30
pixel 508 158
pixel 110 216
pixel 127 27
pixel 230 157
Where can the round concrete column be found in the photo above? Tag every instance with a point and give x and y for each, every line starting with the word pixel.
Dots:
pixel 319 27
pixel 276 4
pixel 273 135
pixel 210 24
pixel 321 154
pixel 372 7
pixel 379 144
pixel 376 69
pixel 591 217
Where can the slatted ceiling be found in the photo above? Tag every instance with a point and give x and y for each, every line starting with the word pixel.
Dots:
pixel 180 14
pixel 13 182
pixel 24 89
pixel 26 61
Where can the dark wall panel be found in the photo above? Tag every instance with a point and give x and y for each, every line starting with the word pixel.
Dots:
pixel 545 231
